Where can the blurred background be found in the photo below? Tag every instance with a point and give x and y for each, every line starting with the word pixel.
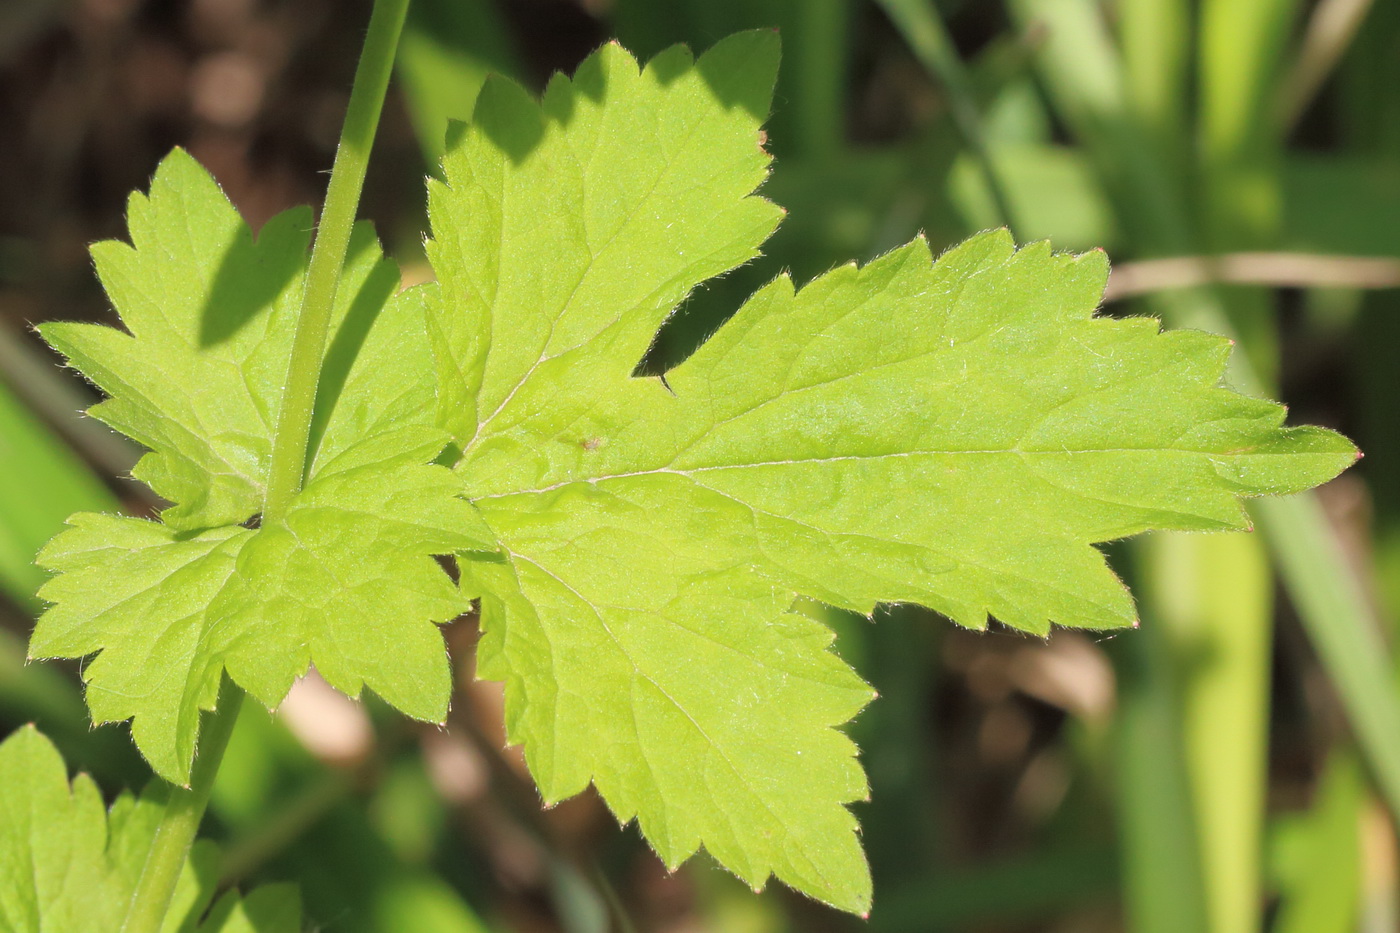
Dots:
pixel 1231 767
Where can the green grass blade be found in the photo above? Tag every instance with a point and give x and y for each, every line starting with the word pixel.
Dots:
pixel 1053 190
pixel 1342 626
pixel 817 49
pixel 1322 889
pixel 919 23
pixel 1083 73
pixel 1214 596
pixel 44 484
pixel 1242 44
pixel 447 49
pixel 812 82
pixel 1163 889
pixel 1156 42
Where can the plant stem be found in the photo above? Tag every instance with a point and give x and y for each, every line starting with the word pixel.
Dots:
pixel 185 807
pixel 288 465
pixel 180 821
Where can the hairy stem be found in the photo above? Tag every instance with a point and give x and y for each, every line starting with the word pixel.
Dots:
pixel 288 465
pixel 180 822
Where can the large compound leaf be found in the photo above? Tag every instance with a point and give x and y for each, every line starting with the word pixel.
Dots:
pixel 68 865
pixel 957 433
pixel 347 579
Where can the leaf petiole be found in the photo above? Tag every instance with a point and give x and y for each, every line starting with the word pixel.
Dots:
pixel 180 822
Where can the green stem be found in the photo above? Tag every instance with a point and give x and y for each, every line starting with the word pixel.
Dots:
pixel 186 805
pixel 288 465
pixel 180 822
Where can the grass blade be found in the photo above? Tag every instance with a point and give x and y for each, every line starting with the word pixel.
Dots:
pixel 1323 892
pixel 919 23
pixel 45 483
pixel 1213 594
pixel 447 49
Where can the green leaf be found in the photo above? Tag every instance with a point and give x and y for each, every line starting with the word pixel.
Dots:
pixel 198 378
pixel 67 865
pixel 957 434
pixel 347 579
pixel 591 217
pixel 209 312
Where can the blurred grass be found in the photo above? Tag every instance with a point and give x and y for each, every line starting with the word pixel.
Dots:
pixel 445 54
pixel 1213 597
pixel 44 483
pixel 1319 855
